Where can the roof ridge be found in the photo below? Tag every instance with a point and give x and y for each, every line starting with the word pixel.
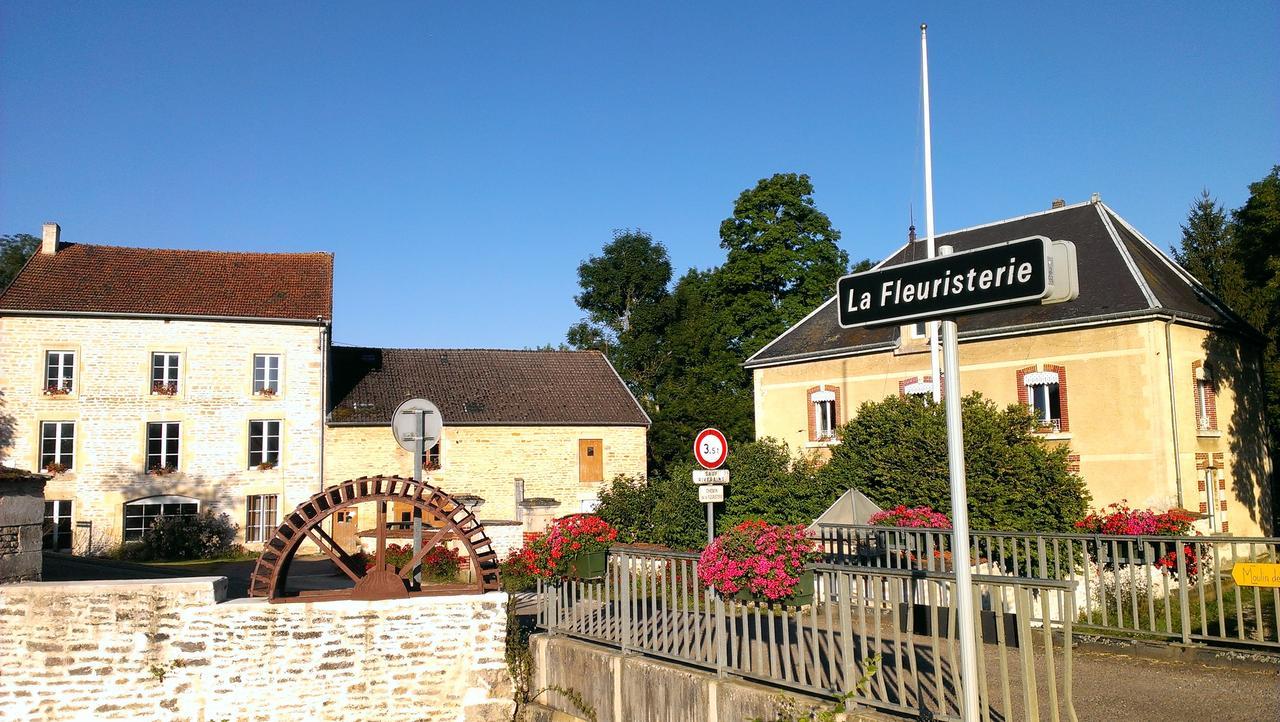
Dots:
pixel 70 244
pixel 1143 286
pixel 1001 222
pixel 490 350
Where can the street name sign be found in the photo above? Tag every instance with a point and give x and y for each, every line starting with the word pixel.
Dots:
pixel 711 493
pixel 1000 275
pixel 711 476
pixel 1250 574
pixel 710 448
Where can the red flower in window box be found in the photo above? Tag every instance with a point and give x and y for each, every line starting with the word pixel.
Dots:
pixel 158 470
pixel 56 390
pixel 267 393
pixel 54 467
pixel 160 388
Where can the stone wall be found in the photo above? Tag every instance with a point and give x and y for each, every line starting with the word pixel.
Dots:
pixel 21 527
pixel 173 650
pixel 111 403
pixel 486 461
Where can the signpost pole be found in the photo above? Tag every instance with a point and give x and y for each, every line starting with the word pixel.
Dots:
pixel 711 527
pixel 420 449
pixel 960 519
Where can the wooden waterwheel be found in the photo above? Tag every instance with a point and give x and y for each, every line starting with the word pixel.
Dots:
pixel 443 519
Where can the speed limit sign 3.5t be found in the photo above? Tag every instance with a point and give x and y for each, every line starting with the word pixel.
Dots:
pixel 710 448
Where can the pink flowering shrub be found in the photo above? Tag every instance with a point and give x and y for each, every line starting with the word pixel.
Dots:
pixel 764 559
pixel 1119 519
pixel 919 517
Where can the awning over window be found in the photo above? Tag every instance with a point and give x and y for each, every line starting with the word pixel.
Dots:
pixel 1040 378
pixel 919 388
pixel 1202 374
pixel 822 396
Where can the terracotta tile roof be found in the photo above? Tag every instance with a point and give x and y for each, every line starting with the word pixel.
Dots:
pixel 482 387
pixel 84 278
pixel 1120 275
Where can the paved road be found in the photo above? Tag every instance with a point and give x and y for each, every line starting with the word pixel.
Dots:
pixel 306 572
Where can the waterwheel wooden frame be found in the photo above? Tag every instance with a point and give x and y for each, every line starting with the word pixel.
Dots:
pixel 443 516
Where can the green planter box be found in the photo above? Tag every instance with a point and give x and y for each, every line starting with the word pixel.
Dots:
pixel 588 566
pixel 802 596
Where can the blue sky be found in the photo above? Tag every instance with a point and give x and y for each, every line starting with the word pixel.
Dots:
pixel 462 160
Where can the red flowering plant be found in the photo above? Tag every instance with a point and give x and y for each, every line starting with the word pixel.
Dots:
pixel 548 556
pixel 916 517
pixel 1119 519
pixel 756 556
pixel 440 563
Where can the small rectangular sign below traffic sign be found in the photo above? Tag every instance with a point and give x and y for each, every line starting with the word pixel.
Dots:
pixel 711 476
pixel 710 493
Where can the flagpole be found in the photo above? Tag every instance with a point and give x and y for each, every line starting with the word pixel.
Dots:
pixel 955 445
pixel 928 208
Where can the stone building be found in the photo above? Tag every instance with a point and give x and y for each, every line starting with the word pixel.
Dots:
pixel 152 382
pixel 1163 405
pixel 21 525
pixel 531 433
pixel 156 382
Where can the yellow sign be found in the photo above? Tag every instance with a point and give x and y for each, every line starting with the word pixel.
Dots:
pixel 1256 575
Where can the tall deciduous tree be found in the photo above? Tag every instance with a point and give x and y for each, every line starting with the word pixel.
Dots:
pixel 632 270
pixel 14 252
pixel 783 259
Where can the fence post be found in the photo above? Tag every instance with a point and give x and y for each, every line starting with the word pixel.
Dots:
pixel 1184 594
pixel 626 596
pixel 722 637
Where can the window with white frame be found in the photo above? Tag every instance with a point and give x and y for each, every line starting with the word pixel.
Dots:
pixel 141 514
pixel 1043 398
pixel 164 373
pixel 60 371
pixel 919 329
pixel 260 517
pixel 163 445
pixel 57 445
pixel 57 525
pixel 1206 400
pixel 264 443
pixel 266 374
pixel 824 414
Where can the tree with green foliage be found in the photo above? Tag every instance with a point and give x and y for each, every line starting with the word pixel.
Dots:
pixel 14 252
pixel 1207 250
pixel 632 270
pixel 1255 228
pixel 895 452
pixel 783 260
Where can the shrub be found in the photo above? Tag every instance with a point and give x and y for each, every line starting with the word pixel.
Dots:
pixel 919 517
pixel 757 556
pixel 441 564
pixel 176 538
pixel 516 571
pixel 1120 519
pixel 895 452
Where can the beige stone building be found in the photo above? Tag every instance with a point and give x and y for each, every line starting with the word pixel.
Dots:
pixel 158 382
pixel 533 434
pixel 152 383
pixel 1153 382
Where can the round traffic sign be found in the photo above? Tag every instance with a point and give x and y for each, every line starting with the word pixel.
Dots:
pixel 404 424
pixel 710 448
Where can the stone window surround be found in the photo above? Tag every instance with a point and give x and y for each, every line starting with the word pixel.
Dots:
pixel 262 455
pixel 170 370
pixel 58 427
pixel 61 374
pixel 254 388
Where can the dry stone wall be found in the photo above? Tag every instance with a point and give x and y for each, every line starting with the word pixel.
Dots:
pixel 173 650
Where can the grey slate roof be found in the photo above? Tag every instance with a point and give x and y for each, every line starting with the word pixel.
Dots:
pixel 1121 274
pixel 481 387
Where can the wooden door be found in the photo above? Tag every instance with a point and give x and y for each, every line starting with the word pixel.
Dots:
pixel 345 528
pixel 590 460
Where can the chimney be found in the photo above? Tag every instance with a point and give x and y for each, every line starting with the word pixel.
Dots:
pixel 49 244
pixel 1058 203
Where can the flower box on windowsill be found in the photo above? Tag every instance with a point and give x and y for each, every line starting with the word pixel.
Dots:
pixel 162 470
pixel 164 389
pixel 266 394
pixel 801 595
pixel 55 468
pixel 56 391
pixel 267 466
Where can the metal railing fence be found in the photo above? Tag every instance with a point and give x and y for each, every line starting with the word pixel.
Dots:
pixel 887 636
pixel 1176 588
